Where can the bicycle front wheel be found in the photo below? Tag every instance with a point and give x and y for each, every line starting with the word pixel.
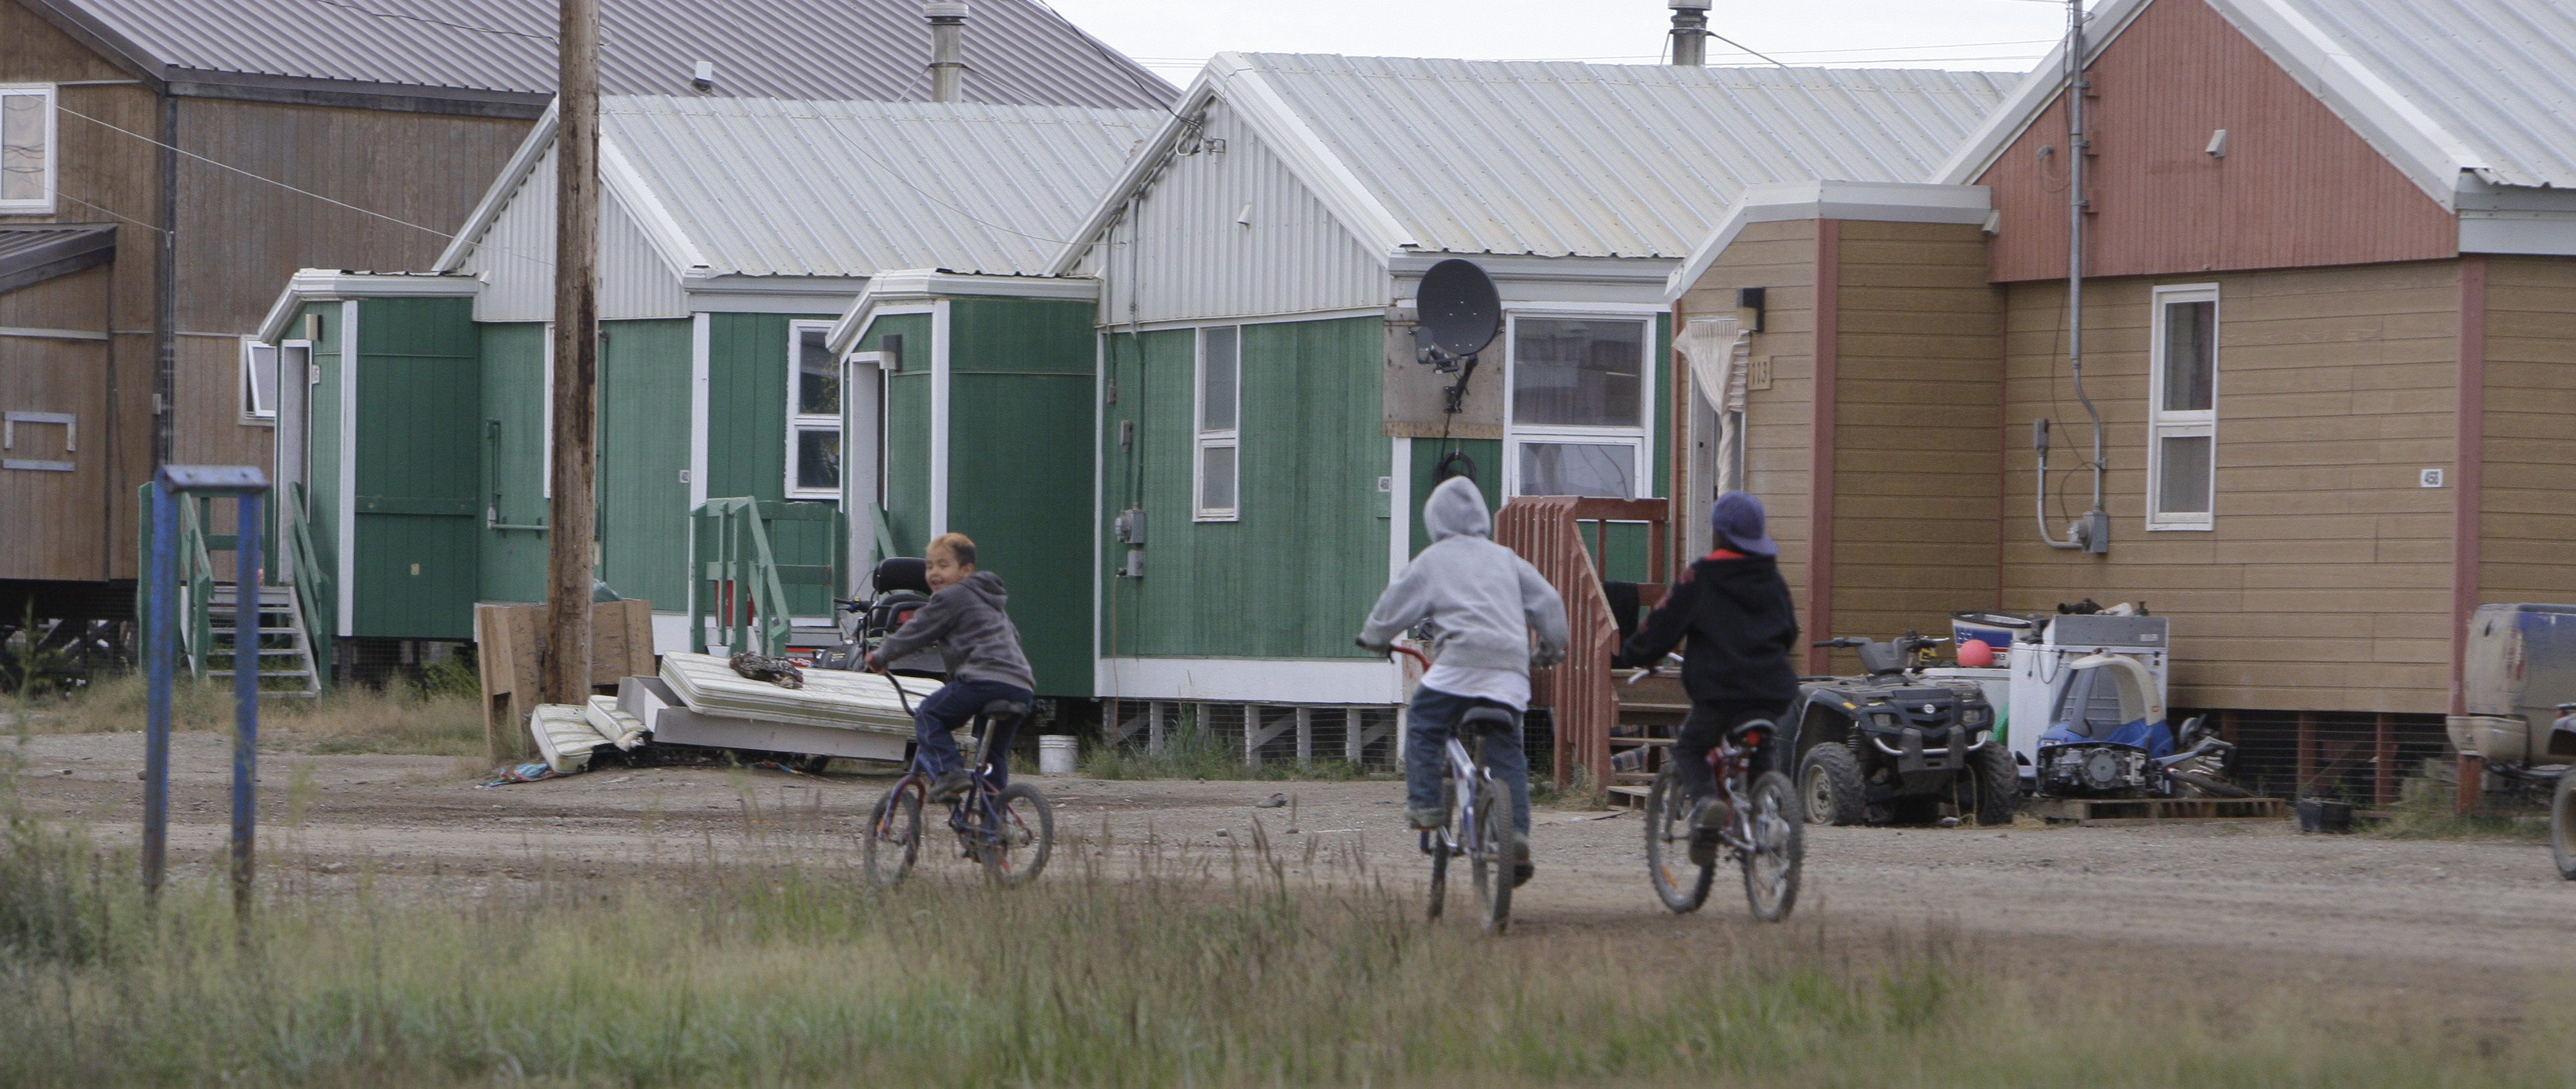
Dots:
pixel 1016 845
pixel 892 841
pixel 1490 852
pixel 1777 847
pixel 1680 883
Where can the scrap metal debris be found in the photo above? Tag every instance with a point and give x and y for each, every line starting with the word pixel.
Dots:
pixel 761 667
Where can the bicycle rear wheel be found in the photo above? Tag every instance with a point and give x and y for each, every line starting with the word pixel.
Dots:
pixel 1680 883
pixel 1015 851
pixel 1775 828
pixel 892 841
pixel 1490 852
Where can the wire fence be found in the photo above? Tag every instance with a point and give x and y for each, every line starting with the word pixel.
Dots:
pixel 2359 757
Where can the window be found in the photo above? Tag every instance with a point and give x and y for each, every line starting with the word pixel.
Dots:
pixel 258 382
pixel 2182 422
pixel 26 149
pixel 1578 406
pixel 1220 408
pixel 813 413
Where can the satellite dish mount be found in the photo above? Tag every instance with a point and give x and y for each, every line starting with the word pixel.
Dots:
pixel 1460 314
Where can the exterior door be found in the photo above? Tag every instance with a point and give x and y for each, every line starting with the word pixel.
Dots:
pixel 294 453
pixel 419 466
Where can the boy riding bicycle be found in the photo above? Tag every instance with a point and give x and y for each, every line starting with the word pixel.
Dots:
pixel 1733 609
pixel 1481 601
pixel 981 650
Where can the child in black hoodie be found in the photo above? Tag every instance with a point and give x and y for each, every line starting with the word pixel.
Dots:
pixel 1733 609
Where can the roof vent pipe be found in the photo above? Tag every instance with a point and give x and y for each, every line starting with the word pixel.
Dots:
pixel 1690 32
pixel 947 48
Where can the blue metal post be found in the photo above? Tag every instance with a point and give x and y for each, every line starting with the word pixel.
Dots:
pixel 246 663
pixel 157 652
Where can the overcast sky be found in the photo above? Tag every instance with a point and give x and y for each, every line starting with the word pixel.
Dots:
pixel 1175 37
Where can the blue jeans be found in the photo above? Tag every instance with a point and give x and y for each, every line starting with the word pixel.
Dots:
pixel 954 705
pixel 1426 763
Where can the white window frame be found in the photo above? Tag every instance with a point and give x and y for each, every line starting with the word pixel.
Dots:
pixel 253 412
pixel 2163 423
pixel 1637 439
pixel 1229 438
pixel 799 423
pixel 53 150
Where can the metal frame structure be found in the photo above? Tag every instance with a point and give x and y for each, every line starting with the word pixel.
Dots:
pixel 249 485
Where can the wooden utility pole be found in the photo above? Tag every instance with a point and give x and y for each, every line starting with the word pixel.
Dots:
pixel 574 515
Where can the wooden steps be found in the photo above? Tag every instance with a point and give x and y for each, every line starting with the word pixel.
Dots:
pixel 2115 811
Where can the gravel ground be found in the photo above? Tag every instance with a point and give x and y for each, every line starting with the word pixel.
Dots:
pixel 2475 923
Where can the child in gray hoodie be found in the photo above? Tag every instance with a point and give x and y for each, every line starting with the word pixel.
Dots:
pixel 981 650
pixel 1482 602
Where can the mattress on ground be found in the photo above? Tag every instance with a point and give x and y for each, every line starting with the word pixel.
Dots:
pixel 563 737
pixel 620 729
pixel 831 698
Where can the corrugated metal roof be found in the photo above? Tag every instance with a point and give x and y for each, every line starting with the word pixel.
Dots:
pixel 1017 51
pixel 768 188
pixel 36 252
pixel 2496 78
pixel 1565 159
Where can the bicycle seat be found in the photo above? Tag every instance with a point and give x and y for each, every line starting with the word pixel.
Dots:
pixel 1004 709
pixel 1742 729
pixel 1485 719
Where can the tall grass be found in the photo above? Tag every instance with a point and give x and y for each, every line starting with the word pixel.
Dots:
pixel 400 718
pixel 1168 974
pixel 1189 752
pixel 2427 808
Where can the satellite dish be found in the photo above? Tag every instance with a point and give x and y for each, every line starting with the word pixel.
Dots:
pixel 1460 310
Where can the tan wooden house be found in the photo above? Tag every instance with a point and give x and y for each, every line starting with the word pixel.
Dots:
pixel 2329 323
pixel 169 163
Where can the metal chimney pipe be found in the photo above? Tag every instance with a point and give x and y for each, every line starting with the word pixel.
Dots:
pixel 947 48
pixel 1690 32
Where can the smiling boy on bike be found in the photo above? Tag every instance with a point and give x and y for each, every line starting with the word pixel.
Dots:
pixel 1482 602
pixel 1733 610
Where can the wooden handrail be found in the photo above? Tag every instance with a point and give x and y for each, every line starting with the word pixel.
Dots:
pixel 1577 692
pixel 311 583
pixel 741 560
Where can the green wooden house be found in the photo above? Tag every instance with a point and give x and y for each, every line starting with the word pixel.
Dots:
pixel 734 232
pixel 1265 430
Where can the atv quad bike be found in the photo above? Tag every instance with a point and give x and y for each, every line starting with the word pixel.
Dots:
pixel 1897 747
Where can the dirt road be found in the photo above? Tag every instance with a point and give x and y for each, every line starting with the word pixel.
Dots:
pixel 2471 922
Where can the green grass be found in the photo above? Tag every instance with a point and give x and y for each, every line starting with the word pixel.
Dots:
pixel 2426 809
pixel 738 972
pixel 1190 753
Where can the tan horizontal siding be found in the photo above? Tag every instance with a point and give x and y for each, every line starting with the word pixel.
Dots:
pixel 1781 258
pixel 2326 584
pixel 1917 425
pixel 2527 518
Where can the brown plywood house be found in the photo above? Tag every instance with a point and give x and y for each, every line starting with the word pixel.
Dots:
pixel 2329 322
pixel 168 163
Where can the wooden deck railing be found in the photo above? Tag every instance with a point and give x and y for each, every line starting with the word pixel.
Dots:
pixel 1580 693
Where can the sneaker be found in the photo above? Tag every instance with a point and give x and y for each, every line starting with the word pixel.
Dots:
pixel 955 783
pixel 1705 824
pixel 1426 820
pixel 1521 867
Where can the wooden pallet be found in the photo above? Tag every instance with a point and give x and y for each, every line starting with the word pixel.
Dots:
pixel 2106 811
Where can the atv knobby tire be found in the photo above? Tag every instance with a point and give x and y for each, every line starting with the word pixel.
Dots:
pixel 1998 783
pixel 1829 786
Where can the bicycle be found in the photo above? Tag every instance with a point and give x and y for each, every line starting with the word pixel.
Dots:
pixel 1759 827
pixel 1479 808
pixel 1009 831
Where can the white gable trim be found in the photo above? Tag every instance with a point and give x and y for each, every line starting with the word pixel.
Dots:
pixel 532 150
pixel 2407 137
pixel 1231 76
pixel 907 291
pixel 1884 202
pixel 314 285
pixel 619 176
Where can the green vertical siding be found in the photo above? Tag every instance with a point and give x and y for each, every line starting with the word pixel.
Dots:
pixel 747 437
pixel 1295 576
pixel 1020 469
pixel 419 468
pixel 907 429
pixel 322 477
pixel 1488 455
pixel 643 450
pixel 515 399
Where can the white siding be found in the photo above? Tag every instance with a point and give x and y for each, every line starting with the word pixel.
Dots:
pixel 515 257
pixel 1197 262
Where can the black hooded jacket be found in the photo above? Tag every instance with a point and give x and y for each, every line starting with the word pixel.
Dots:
pixel 1741 629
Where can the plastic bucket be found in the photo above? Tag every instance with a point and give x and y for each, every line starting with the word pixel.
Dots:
pixel 1056 754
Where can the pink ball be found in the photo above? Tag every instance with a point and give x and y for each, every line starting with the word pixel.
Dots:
pixel 1975 654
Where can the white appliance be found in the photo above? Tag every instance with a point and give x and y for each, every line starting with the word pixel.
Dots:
pixel 2039 672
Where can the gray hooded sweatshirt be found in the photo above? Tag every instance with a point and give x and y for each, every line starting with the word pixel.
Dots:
pixel 975 636
pixel 1481 599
